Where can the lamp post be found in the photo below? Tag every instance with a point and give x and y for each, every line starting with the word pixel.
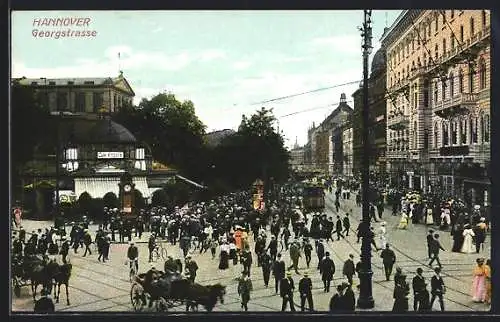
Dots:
pixel 365 300
pixel 58 162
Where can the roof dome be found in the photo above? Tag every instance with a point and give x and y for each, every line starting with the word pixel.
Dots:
pixel 81 130
pixel 378 62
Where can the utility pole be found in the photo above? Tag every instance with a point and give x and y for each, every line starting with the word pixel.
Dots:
pixel 365 300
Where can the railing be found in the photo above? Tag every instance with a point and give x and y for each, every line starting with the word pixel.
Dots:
pixel 457 100
pixel 399 120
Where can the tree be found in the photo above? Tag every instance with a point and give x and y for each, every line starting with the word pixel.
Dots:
pixel 255 151
pixel 110 200
pixel 171 128
pixel 85 202
pixel 140 203
pixel 160 198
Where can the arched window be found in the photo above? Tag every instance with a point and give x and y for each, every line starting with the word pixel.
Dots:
pixel 452 41
pixel 426 93
pixel 436 23
pixel 472 27
pixel 443 88
pixel 486 128
pixel 473 129
pixel 482 74
pixel 452 14
pixel 454 129
pixel 445 136
pixel 452 84
pixel 444 46
pixel 483 18
pixel 436 51
pixel 461 34
pixel 460 81
pixel 471 79
pixel 436 134
pixel 435 92
pixel 462 129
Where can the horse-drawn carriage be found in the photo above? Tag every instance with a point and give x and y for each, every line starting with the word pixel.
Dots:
pixel 172 290
pixel 20 275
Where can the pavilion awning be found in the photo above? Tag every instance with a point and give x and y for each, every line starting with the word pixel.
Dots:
pixel 190 182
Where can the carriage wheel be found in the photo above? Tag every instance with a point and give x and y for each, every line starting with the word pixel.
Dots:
pixel 164 253
pixel 137 297
pixel 161 305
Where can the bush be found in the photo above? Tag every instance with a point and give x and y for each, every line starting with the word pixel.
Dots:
pixel 160 198
pixel 84 203
pixel 110 200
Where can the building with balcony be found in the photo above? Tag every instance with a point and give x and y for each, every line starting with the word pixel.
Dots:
pixel 438 82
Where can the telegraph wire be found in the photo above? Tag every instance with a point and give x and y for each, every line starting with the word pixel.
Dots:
pixel 304 93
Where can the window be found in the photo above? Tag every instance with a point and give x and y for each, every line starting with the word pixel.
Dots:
pixel 426 93
pixel 461 34
pixel 80 102
pixel 452 14
pixel 482 74
pixel 436 51
pixel 463 132
pixel 415 136
pixel 452 41
pixel 425 59
pixel 435 92
pixel 436 134
pixel 486 128
pixel 443 88
pixel 139 154
pixel 452 84
pixel 446 137
pixel 436 25
pixel 444 18
pixel 426 139
pixel 444 46
pixel 429 31
pixel 460 81
pixel 471 27
pixel 62 101
pixel 473 129
pixel 98 101
pixel 471 79
pixel 454 128
pixel 483 18
pixel 71 154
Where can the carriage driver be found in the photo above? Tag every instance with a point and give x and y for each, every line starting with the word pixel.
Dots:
pixel 152 276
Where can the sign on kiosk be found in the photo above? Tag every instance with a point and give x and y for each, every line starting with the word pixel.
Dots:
pixel 110 155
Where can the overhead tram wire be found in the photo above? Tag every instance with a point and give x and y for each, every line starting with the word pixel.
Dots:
pixel 307 92
pixel 312 109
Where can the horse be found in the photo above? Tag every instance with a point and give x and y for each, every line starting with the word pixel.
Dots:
pixel 204 295
pixel 40 273
pixel 61 274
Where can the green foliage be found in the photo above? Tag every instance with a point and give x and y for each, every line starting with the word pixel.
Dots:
pixel 110 200
pixel 171 129
pixel 139 199
pixel 85 202
pixel 160 198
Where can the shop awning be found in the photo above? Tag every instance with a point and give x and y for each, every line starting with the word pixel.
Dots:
pixel 190 182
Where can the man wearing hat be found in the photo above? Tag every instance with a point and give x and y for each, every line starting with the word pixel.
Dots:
pixel 133 256
pixel 435 248
pixel 286 292
pixel 273 247
pixel 244 288
pixel 44 304
pixel 17 246
pixel 266 263
pixel 420 293
pixel 191 267
pixel 307 251
pixel 430 237
pixel 305 290
pixel 278 272
pixel 320 251
pixel 327 270
pixel 349 269
pixel 388 259
pixel 87 241
pixel 64 249
pixel 294 256
pixel 437 288
pixel 480 232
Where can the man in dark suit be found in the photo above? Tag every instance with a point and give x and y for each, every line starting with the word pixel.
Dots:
pixel 305 290
pixel 435 246
pixel 286 292
pixel 429 241
pixel 388 259
pixel 44 304
pixel 419 291
pixel 338 228
pixel 320 251
pixel 327 269
pixel 437 288
pixel 278 272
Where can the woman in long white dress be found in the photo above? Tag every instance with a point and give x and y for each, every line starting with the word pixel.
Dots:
pixel 468 246
pixel 382 235
pixel 429 218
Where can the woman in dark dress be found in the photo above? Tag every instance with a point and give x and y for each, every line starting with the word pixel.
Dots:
pixel 401 291
pixel 224 256
pixel 458 239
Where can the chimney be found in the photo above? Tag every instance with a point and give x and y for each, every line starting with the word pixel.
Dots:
pixel 342 98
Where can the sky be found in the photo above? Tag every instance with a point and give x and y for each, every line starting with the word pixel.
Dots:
pixel 226 62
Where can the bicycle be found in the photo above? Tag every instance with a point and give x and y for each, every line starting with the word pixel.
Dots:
pixel 133 263
pixel 159 252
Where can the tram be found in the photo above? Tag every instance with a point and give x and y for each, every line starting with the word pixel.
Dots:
pixel 313 198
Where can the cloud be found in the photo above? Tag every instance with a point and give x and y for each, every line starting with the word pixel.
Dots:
pixel 349 44
pixel 241 65
pixel 211 54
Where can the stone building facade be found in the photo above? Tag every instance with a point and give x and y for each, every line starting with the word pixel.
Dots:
pixel 438 106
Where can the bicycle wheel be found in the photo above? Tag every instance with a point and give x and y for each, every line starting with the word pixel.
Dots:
pixel 133 273
pixel 164 253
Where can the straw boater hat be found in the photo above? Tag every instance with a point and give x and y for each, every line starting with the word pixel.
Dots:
pixel 288 273
pixel 477 207
pixel 482 219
